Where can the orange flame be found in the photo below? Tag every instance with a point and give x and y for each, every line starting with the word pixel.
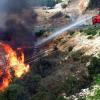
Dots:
pixel 5 79
pixel 16 63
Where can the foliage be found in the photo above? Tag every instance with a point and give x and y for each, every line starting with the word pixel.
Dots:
pixel 91 30
pixel 71 33
pixel 95 91
pixel 96 96
pixel 57 15
pixel 76 55
pixel 60 98
pixel 44 67
pixel 85 58
pixel 70 48
pixel 67 16
pixel 90 37
pixel 40 33
pixel 44 95
pixel 71 85
pixel 63 5
pixel 94 70
pixel 93 94
pixel 96 79
pixel 94 67
pixel 15 92
pixel 31 83
pixel 2 97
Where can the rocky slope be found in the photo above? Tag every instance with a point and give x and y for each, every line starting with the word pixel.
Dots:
pixel 68 54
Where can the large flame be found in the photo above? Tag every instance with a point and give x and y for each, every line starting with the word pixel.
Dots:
pixel 5 78
pixel 15 62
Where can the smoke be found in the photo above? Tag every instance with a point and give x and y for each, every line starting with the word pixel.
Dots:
pixel 10 7
pixel 2 13
pixel 2 5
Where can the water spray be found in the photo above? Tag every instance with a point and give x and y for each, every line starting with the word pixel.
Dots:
pixel 66 28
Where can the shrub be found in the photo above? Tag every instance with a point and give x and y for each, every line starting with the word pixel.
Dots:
pixel 96 79
pixel 94 67
pixel 71 85
pixel 90 37
pixel 67 16
pixel 71 33
pixel 70 48
pixel 32 82
pixel 63 5
pixel 40 33
pixel 60 98
pixel 76 55
pixel 95 95
pixel 57 15
pixel 44 67
pixel 44 95
pixel 15 92
pixel 91 30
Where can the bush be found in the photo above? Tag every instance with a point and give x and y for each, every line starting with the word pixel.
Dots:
pixel 91 30
pixel 67 16
pixel 70 48
pixel 94 67
pixel 32 82
pixel 44 67
pixel 95 95
pixel 76 55
pixel 60 98
pixel 96 79
pixel 15 92
pixel 44 95
pixel 90 37
pixel 57 15
pixel 2 97
pixel 64 5
pixel 71 33
pixel 40 33
pixel 71 85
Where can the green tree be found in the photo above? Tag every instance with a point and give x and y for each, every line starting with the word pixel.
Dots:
pixel 15 92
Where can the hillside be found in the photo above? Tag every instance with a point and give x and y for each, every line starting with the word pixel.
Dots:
pixel 50 50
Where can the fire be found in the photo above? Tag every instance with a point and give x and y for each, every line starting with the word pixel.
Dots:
pixel 5 79
pixel 14 62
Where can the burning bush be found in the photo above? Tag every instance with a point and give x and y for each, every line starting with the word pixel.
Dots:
pixel 13 62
